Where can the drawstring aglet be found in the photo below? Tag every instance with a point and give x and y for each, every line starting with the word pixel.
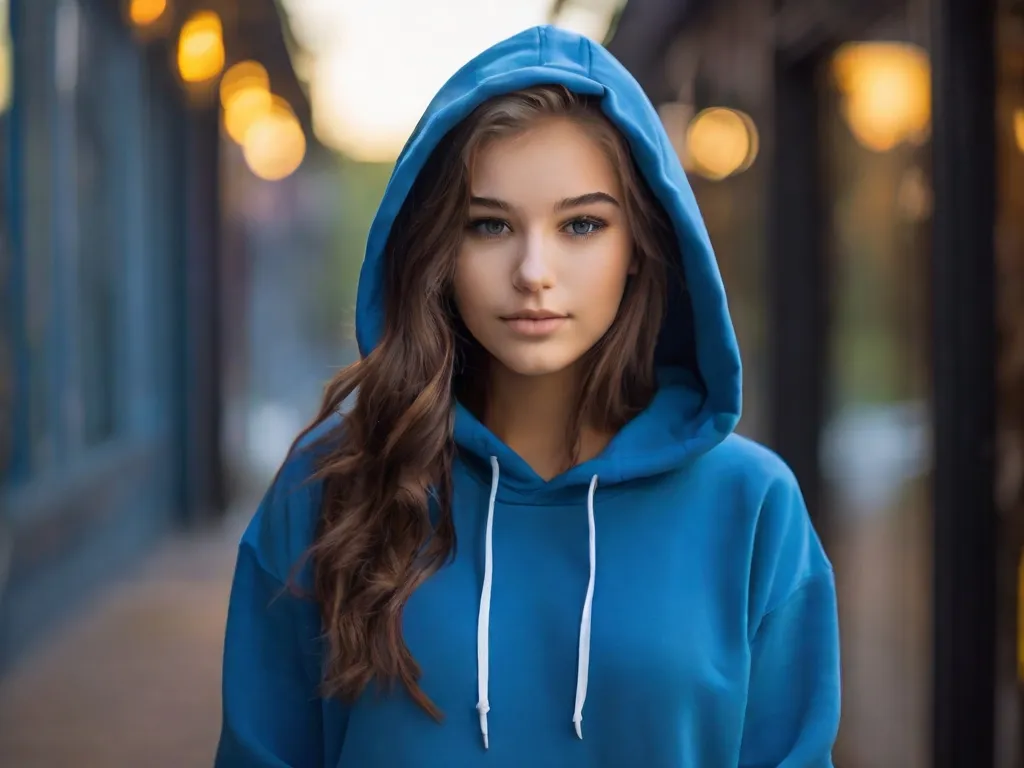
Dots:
pixel 483 709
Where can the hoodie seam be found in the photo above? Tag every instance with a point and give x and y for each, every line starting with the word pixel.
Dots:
pixel 801 587
pixel 283 591
pixel 522 498
pixel 267 570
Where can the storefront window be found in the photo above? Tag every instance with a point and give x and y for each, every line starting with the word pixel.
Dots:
pixel 72 235
pixel 35 93
pixel 875 449
pixel 8 320
pixel 98 231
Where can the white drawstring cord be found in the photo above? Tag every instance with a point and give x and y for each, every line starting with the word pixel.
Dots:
pixel 583 670
pixel 484 618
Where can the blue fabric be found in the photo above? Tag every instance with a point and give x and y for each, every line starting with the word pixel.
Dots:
pixel 715 639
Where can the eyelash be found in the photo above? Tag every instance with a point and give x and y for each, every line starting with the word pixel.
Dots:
pixel 597 224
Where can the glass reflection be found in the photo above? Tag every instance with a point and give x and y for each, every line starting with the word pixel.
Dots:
pixel 875 456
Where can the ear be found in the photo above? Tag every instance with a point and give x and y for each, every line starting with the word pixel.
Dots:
pixel 634 264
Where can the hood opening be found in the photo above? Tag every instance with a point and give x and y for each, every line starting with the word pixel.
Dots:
pixel 699 373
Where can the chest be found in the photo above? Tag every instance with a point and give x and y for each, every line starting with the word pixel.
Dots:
pixel 668 610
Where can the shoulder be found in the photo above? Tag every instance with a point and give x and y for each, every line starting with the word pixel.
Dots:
pixel 758 468
pixel 285 522
pixel 786 550
pixel 773 501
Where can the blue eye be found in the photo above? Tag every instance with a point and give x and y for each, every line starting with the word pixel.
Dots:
pixel 584 227
pixel 488 227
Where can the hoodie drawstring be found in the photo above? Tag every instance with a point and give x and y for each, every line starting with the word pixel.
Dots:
pixel 484 618
pixel 483 622
pixel 583 670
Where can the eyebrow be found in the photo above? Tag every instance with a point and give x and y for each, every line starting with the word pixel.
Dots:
pixel 570 202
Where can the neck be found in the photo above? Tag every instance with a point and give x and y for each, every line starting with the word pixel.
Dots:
pixel 532 414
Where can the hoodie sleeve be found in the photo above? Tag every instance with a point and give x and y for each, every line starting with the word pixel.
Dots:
pixel 272 711
pixel 793 698
pixel 272 714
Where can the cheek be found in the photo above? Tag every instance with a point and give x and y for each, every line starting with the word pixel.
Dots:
pixel 472 287
pixel 602 282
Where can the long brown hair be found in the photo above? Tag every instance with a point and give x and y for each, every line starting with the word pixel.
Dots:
pixel 385 524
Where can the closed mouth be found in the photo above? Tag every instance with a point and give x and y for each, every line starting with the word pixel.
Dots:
pixel 535 316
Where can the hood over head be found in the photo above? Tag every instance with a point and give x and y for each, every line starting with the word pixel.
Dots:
pixel 699 375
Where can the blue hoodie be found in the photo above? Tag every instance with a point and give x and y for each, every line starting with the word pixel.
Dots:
pixel 664 604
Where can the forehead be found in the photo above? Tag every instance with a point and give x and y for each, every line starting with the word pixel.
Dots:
pixel 550 161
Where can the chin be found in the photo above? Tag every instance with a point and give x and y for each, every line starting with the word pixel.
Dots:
pixel 536 364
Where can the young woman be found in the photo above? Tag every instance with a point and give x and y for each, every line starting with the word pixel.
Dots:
pixel 549 380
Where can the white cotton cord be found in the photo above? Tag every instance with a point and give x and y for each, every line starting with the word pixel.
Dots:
pixel 484 618
pixel 583 670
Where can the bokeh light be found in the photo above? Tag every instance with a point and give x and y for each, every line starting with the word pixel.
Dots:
pixel 245 96
pixel 274 145
pixel 721 142
pixel 886 89
pixel 145 12
pixel 201 47
pixel 241 76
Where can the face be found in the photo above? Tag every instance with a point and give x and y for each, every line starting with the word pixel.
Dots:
pixel 547 249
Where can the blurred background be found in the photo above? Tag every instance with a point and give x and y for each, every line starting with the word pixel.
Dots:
pixel 185 192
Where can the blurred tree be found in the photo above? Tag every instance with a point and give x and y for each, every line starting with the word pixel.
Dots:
pixel 361 187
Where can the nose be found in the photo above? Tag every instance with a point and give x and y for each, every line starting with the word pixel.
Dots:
pixel 533 271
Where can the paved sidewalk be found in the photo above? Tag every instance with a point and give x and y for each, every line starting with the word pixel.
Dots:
pixel 134 681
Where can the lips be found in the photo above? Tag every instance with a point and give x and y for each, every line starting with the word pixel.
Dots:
pixel 535 314
pixel 535 323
